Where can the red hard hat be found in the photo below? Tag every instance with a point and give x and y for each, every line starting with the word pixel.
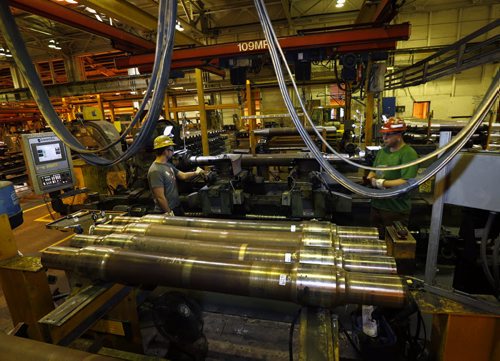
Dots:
pixel 393 125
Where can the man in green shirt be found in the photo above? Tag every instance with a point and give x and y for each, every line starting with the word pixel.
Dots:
pixel 395 152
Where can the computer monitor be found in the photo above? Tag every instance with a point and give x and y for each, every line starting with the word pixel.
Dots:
pixel 48 161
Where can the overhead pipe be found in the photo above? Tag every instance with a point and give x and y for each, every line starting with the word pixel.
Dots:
pixel 305 284
pixel 252 160
pixel 240 252
pixel 273 132
pixel 261 238
pixel 280 226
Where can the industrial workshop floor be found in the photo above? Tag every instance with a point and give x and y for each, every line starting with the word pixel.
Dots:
pixel 32 237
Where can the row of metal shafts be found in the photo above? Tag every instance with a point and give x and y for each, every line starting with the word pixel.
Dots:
pixel 310 263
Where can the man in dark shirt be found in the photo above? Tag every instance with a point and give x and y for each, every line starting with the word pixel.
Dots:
pixel 163 175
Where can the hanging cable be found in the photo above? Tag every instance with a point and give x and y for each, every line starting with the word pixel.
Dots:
pixel 166 15
pixel 465 132
pixel 274 47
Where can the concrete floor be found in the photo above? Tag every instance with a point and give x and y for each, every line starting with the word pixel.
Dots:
pixel 32 237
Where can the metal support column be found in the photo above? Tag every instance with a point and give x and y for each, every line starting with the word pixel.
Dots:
pixel 436 217
pixel 370 105
pixel 251 121
pixel 52 72
pixel 166 107
pixel 174 106
pixel 100 105
pixel 203 113
pixel 112 112
pixel 348 97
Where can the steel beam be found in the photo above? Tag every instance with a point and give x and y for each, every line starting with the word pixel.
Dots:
pixel 62 14
pixel 132 15
pixel 379 12
pixel 203 114
pixel 337 39
pixel 80 312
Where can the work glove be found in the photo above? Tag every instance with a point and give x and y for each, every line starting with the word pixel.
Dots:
pixel 199 171
pixel 378 183
pixel 170 213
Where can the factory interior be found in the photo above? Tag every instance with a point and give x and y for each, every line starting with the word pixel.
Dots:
pixel 301 230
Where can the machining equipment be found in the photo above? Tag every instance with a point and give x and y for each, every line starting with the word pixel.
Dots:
pixel 49 162
pixel 285 185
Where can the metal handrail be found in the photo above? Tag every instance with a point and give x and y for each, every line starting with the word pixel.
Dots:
pixel 454 58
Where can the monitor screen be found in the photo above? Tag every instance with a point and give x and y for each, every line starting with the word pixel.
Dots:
pixel 49 152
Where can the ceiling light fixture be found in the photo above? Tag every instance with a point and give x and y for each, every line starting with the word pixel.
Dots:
pixel 98 17
pixel 90 10
pixel 178 26
pixel 5 52
pixel 54 44
pixel 340 3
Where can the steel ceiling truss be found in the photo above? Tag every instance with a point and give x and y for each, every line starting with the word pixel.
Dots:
pixel 62 14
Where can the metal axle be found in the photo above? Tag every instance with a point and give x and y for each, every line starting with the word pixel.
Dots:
pixel 240 252
pixel 308 237
pixel 306 284
pixel 283 226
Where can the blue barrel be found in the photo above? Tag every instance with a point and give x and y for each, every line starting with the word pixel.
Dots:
pixel 9 204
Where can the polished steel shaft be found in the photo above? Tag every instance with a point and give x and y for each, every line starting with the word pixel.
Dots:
pixel 240 252
pixel 306 284
pixel 310 236
pixel 284 226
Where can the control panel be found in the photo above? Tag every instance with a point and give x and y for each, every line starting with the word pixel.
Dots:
pixel 48 161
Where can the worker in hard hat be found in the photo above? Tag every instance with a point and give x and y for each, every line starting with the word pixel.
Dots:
pixel 163 175
pixel 395 152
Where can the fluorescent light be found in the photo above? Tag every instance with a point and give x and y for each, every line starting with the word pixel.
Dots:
pixel 72 2
pixel 54 44
pixel 98 17
pixel 111 21
pixel 339 5
pixel 178 26
pixel 340 1
pixel 90 10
